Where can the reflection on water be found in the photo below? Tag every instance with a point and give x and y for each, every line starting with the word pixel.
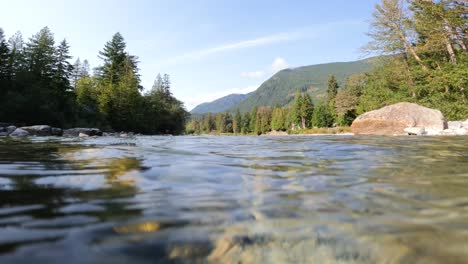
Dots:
pixel 326 199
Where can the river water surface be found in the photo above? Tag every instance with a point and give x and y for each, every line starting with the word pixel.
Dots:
pixel 323 199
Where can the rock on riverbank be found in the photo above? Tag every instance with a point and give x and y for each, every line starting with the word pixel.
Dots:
pixel 45 131
pixel 407 119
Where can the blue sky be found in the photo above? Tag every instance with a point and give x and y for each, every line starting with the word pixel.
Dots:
pixel 209 47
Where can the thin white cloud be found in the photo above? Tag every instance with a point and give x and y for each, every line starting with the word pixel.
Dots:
pixel 277 65
pixel 313 31
pixel 261 41
pixel 193 101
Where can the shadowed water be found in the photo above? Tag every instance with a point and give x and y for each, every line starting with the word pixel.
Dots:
pixel 324 199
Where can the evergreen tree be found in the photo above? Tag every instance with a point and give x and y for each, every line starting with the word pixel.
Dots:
pixel 253 119
pixel 17 60
pixel 40 55
pixel 4 59
pixel 63 68
pixel 115 59
pixel 332 88
pixel 166 86
pixel 237 122
pixel 302 109
pixel 245 128
pixel 279 119
pixel 76 73
pixel 263 120
pixel 158 84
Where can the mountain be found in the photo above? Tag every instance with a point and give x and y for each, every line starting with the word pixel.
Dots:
pixel 221 104
pixel 281 88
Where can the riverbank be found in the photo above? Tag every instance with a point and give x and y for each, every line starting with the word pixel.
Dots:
pixel 48 131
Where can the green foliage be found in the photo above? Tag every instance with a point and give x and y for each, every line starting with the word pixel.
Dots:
pixel 38 85
pixel 253 120
pixel 279 119
pixel 321 116
pixel 237 122
pixel 263 120
pixel 332 89
pixel 302 109
pixel 245 128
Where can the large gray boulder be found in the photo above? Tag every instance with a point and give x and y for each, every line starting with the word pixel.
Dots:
pixel 75 132
pixel 19 133
pixel 40 130
pixel 394 119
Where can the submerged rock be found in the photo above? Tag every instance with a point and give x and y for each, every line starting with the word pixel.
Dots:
pixel 19 132
pixel 394 119
pixel 75 132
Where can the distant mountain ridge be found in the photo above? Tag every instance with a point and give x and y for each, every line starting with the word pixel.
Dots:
pixel 281 87
pixel 220 105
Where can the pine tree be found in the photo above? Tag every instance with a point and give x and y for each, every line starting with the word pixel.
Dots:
pixel 302 110
pixel 84 71
pixel 253 119
pixel 76 73
pixel 237 122
pixel 40 54
pixel 245 129
pixel 166 86
pixel 115 57
pixel 279 119
pixel 263 120
pixel 332 88
pixel 17 59
pixel 4 59
pixel 158 84
pixel 63 68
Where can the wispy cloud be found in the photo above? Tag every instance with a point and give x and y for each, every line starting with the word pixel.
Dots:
pixel 251 43
pixel 191 102
pixel 309 32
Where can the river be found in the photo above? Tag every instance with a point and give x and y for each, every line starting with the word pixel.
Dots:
pixel 296 199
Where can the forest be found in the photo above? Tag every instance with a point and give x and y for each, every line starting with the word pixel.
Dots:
pixel 422 51
pixel 39 85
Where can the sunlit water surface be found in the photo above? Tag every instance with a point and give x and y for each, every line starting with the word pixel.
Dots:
pixel 325 199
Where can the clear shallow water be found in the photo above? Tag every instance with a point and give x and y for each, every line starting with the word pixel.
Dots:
pixel 325 199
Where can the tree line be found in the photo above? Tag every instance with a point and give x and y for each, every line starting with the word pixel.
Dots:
pixel 301 114
pixel 39 85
